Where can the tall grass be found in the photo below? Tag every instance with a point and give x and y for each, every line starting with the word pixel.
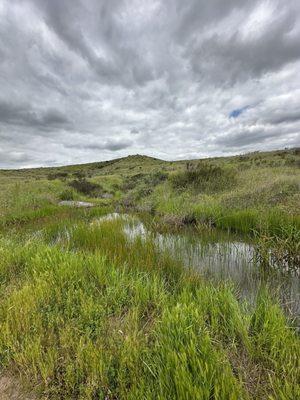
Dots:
pixel 95 315
pixel 88 313
pixel 272 222
pixel 108 238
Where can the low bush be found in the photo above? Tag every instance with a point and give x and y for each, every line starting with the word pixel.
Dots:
pixel 57 175
pixel 157 177
pixel 79 174
pixel 132 181
pixel 86 187
pixel 204 177
pixel 142 191
pixel 145 180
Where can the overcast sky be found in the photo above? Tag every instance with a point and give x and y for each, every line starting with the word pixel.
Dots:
pixel 91 80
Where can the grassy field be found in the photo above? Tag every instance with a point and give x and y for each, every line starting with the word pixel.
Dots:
pixel 258 191
pixel 88 313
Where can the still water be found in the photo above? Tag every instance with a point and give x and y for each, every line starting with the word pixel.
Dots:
pixel 220 256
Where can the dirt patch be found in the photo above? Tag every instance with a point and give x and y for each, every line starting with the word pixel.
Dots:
pixel 11 389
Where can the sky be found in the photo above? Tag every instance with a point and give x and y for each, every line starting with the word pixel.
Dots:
pixel 92 80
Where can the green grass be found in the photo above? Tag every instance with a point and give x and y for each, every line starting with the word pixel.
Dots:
pixel 204 177
pixel 99 316
pixel 242 193
pixel 87 313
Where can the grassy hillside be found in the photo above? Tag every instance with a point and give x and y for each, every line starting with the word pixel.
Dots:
pixel 257 191
pixel 87 312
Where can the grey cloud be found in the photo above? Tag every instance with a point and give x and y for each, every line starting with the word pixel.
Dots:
pixel 285 118
pixel 108 55
pixel 112 145
pixel 118 145
pixel 13 158
pixel 82 80
pixel 195 15
pixel 245 137
pixel 25 115
pixel 228 59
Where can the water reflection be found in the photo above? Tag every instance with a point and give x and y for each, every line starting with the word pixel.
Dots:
pixel 220 256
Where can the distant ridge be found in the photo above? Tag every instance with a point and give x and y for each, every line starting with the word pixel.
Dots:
pixel 148 159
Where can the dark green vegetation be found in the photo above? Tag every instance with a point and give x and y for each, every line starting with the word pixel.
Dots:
pixel 88 313
pixel 204 177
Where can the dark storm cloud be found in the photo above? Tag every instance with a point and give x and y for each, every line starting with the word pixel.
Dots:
pixel 81 79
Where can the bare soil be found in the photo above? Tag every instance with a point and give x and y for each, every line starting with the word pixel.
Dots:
pixel 11 389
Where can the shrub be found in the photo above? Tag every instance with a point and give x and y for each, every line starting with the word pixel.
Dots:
pixel 131 181
pixel 157 177
pixel 147 181
pixel 86 187
pixel 57 175
pixel 142 191
pixel 292 161
pixel 79 174
pixel 67 194
pixel 204 177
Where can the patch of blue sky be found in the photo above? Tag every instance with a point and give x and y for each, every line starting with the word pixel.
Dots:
pixel 238 111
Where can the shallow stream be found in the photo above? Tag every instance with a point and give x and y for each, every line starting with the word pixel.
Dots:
pixel 220 256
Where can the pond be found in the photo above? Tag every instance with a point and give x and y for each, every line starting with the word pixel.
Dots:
pixel 220 256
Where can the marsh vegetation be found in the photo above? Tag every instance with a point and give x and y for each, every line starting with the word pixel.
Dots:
pixel 197 297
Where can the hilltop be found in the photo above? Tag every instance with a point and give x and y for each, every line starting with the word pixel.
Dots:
pixel 275 158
